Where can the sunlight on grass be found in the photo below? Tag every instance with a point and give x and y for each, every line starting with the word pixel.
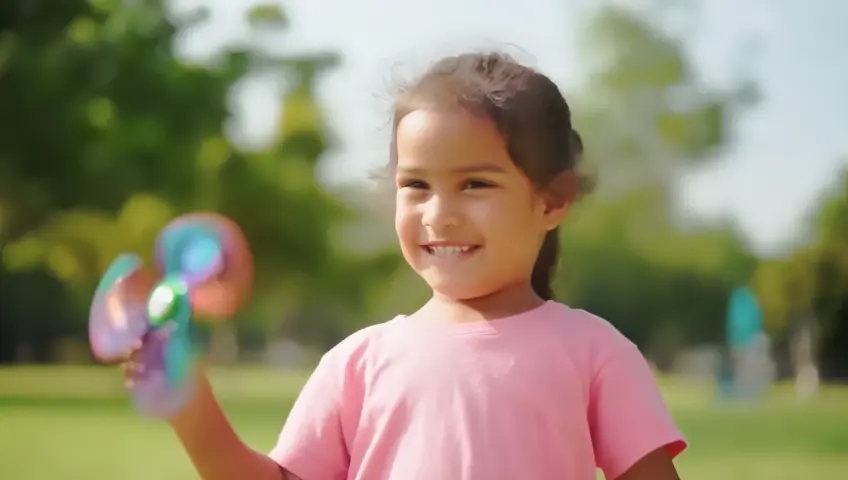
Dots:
pixel 80 419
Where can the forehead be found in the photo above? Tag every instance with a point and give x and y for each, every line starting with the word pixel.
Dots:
pixel 449 139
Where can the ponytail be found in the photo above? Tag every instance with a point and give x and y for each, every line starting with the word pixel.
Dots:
pixel 546 262
pixel 543 270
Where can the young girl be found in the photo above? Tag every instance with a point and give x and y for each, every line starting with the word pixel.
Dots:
pixel 490 379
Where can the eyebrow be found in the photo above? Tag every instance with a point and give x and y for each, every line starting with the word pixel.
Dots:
pixel 474 168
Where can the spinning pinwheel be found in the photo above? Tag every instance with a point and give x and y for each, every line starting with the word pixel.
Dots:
pixel 204 268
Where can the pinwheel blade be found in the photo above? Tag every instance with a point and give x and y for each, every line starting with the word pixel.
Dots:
pixel 153 393
pixel 191 248
pixel 211 254
pixel 179 357
pixel 118 315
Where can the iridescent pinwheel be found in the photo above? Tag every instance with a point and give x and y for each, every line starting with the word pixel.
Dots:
pixel 203 268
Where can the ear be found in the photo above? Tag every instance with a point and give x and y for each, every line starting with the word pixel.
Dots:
pixel 559 197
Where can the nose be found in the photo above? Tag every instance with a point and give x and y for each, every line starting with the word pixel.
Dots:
pixel 440 212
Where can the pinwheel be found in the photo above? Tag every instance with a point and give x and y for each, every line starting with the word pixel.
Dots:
pixel 203 271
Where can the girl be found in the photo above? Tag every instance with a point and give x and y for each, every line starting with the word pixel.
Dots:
pixel 490 379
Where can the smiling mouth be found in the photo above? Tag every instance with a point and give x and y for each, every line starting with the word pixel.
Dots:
pixel 450 251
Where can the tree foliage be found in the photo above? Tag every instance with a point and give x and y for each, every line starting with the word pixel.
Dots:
pixel 647 118
pixel 107 135
pixel 814 280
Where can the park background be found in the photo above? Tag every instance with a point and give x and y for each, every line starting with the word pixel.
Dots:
pixel 715 134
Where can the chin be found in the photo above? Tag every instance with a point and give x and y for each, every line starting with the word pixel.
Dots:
pixel 459 290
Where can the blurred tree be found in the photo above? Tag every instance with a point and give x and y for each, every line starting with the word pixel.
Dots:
pixel 830 301
pixel 106 136
pixel 814 279
pixel 647 117
pixel 646 111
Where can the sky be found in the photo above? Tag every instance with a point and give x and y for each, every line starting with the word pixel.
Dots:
pixel 786 152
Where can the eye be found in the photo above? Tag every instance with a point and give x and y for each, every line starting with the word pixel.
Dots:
pixel 412 183
pixel 476 184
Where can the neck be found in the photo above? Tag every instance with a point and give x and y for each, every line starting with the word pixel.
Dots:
pixel 506 302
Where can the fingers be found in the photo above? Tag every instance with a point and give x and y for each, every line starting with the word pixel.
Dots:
pixel 131 371
pixel 131 367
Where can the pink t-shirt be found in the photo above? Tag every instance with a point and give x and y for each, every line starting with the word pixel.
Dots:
pixel 552 393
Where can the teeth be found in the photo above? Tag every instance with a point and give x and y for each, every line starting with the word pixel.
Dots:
pixel 448 251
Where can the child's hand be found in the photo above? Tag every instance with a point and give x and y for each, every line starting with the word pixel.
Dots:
pixel 155 396
pixel 131 366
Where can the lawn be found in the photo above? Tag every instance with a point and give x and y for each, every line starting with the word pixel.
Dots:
pixel 75 423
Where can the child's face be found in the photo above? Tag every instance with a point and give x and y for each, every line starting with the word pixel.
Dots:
pixel 468 220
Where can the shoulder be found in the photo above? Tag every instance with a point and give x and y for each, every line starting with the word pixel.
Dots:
pixel 594 338
pixel 587 327
pixel 357 346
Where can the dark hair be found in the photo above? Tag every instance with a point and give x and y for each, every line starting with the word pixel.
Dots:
pixel 529 111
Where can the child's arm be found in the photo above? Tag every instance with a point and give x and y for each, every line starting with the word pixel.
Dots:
pixel 312 444
pixel 633 433
pixel 207 436
pixel 214 447
pixel 656 465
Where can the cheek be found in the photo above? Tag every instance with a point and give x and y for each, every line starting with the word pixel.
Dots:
pixel 510 215
pixel 515 233
pixel 406 223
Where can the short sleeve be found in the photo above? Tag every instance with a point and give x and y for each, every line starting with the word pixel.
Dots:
pixel 314 439
pixel 628 416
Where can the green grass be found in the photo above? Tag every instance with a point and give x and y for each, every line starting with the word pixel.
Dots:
pixel 75 423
